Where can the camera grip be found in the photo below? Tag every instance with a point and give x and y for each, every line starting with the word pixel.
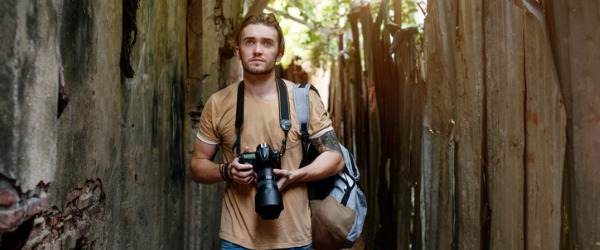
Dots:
pixel 247 158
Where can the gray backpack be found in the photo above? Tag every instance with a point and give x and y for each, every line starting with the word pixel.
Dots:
pixel 338 204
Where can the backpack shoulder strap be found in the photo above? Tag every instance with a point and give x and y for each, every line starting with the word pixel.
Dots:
pixel 302 104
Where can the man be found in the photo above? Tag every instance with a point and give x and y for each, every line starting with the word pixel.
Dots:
pixel 259 45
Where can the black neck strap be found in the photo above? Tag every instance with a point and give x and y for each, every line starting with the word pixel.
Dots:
pixel 284 115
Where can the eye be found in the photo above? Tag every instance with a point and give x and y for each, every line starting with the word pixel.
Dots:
pixel 268 43
pixel 249 42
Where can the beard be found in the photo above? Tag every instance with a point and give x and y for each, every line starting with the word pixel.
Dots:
pixel 251 68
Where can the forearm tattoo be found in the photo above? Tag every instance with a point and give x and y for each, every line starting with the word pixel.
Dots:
pixel 326 142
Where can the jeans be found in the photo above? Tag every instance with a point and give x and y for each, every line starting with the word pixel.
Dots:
pixel 226 245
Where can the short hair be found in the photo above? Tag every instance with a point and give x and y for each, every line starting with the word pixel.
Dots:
pixel 265 19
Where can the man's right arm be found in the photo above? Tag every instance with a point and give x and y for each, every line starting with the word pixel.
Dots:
pixel 202 167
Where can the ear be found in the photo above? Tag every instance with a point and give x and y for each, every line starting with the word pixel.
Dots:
pixel 236 50
pixel 279 56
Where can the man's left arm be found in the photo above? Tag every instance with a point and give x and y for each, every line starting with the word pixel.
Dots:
pixel 329 162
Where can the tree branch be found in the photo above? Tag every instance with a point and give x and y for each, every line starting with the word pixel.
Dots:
pixel 257 7
pixel 326 30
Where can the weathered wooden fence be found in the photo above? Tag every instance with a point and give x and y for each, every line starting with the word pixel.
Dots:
pixel 488 138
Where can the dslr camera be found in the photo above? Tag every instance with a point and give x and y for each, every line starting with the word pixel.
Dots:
pixel 267 202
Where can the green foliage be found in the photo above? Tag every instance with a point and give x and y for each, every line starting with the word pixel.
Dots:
pixel 410 10
pixel 315 39
pixel 314 35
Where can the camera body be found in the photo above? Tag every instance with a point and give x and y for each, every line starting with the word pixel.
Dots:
pixel 267 202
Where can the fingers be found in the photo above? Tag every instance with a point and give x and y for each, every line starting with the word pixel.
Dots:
pixel 241 173
pixel 283 178
pixel 279 172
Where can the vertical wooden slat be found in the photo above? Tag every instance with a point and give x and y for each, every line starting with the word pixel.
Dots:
pixel 469 124
pixel 416 158
pixel 403 96
pixel 371 125
pixel 545 124
pixel 576 37
pixel 409 102
pixel 336 104
pixel 505 133
pixel 378 92
pixel 358 94
pixel 436 191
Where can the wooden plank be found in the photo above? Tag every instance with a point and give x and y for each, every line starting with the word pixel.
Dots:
pixel 370 124
pixel 505 136
pixel 380 87
pixel 437 180
pixel 545 126
pixel 576 38
pixel 469 125
pixel 403 95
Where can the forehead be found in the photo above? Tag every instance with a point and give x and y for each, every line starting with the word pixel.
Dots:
pixel 259 31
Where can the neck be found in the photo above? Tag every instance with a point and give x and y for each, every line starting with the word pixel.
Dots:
pixel 261 86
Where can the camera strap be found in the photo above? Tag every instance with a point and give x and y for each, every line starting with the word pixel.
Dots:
pixel 284 115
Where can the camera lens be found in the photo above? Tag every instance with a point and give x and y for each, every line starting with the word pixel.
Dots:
pixel 268 203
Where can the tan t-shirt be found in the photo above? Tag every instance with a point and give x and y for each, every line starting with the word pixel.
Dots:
pixel 240 224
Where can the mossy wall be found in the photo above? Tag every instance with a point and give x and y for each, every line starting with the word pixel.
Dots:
pixel 125 135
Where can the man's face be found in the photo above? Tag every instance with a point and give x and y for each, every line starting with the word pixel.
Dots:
pixel 258 50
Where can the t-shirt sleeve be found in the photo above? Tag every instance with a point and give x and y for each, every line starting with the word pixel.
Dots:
pixel 319 117
pixel 209 120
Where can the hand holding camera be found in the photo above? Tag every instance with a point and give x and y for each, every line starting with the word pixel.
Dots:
pixel 242 172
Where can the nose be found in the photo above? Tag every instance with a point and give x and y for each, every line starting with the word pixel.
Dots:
pixel 257 49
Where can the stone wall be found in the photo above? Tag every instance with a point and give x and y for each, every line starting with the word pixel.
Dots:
pixel 70 227
pixel 90 157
